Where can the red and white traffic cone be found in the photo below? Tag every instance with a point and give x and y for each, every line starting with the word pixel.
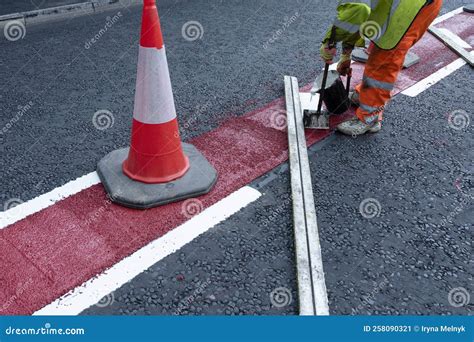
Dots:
pixel 155 153
pixel 158 168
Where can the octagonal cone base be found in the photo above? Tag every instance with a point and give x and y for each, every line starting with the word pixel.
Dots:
pixel 469 8
pixel 199 180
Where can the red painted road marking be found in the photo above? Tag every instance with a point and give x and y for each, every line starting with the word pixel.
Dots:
pixel 53 251
pixel 93 290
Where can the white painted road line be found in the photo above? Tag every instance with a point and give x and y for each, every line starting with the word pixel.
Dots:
pixel 46 200
pixel 42 202
pixel 447 16
pixel 434 78
pixel 92 291
pixel 446 39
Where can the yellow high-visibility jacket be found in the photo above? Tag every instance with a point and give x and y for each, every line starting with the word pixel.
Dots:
pixel 384 22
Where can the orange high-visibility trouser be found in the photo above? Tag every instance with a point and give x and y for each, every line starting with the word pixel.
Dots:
pixel 383 66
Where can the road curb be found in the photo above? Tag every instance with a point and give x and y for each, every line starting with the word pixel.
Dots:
pixel 61 12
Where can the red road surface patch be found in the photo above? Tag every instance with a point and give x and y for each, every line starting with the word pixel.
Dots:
pixel 57 249
pixel 462 25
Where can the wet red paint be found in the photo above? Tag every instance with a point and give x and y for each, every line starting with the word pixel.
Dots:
pixel 51 252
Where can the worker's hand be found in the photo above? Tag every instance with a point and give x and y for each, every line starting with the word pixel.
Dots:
pixel 344 64
pixel 327 54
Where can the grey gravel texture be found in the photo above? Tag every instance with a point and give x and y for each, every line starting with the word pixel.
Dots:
pixel 68 79
pixel 405 260
pixel 16 6
pixel 230 270
pixel 236 67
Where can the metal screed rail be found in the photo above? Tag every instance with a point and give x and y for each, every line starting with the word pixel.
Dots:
pixel 313 298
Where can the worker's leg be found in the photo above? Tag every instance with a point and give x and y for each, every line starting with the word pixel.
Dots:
pixel 380 74
pixel 383 67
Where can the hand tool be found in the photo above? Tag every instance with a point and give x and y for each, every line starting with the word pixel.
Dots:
pixel 332 91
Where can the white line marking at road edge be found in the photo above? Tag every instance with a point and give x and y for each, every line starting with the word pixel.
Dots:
pixel 447 39
pixel 456 39
pixel 446 16
pixel 93 290
pixel 46 200
pixel 434 78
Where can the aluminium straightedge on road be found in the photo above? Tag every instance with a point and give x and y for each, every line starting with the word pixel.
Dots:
pixel 448 40
pixel 312 292
pixel 424 82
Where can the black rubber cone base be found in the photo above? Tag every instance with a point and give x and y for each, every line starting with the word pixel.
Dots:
pixel 199 180
pixel 469 8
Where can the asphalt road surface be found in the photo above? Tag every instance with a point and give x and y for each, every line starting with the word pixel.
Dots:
pixel 418 169
pixel 15 6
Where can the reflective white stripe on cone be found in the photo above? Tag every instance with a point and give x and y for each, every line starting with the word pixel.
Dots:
pixel 154 102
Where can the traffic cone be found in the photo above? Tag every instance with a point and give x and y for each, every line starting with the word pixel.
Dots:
pixel 157 168
pixel 155 153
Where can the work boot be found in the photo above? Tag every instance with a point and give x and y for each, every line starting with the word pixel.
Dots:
pixel 354 98
pixel 356 127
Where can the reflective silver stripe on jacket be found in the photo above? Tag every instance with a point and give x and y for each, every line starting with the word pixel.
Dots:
pixel 374 4
pixel 395 4
pixel 352 28
pixel 373 83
